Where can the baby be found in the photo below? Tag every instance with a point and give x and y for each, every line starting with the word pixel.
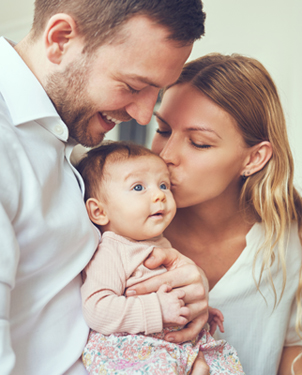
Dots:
pixel 128 198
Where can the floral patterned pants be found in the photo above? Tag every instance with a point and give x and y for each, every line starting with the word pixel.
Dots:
pixel 126 354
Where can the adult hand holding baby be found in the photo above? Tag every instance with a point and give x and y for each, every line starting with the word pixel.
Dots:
pixel 182 273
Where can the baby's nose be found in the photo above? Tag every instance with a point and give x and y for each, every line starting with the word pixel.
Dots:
pixel 159 195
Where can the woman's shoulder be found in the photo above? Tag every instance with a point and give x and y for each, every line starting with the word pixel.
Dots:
pixel 257 233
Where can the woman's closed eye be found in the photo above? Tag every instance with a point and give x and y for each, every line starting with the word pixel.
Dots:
pixel 200 145
pixel 163 127
pixel 163 133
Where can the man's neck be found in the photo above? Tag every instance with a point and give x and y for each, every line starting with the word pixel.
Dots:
pixel 32 54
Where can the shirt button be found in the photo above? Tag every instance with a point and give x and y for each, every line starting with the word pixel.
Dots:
pixel 59 129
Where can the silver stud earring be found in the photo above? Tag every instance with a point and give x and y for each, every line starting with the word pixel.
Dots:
pixel 245 175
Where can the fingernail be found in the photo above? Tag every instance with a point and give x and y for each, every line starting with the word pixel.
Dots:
pixel 170 338
pixel 131 292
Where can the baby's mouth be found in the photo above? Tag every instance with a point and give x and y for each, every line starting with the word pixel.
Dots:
pixel 158 214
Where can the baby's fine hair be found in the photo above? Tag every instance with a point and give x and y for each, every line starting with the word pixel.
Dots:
pixel 92 166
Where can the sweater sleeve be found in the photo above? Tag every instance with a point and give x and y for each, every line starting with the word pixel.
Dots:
pixel 105 308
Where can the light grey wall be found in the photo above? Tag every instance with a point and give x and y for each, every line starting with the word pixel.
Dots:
pixel 15 18
pixel 269 30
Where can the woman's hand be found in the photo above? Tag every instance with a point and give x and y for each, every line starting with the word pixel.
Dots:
pixel 184 274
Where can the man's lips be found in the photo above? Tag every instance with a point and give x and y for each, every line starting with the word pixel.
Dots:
pixel 105 123
pixel 110 119
pixel 109 122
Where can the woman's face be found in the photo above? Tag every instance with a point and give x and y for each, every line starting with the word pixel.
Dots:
pixel 201 145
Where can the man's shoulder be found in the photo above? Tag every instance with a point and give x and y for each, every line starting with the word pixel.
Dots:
pixel 7 130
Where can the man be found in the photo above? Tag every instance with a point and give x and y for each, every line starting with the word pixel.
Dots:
pixel 84 67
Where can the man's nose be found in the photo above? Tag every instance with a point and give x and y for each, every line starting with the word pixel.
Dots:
pixel 142 106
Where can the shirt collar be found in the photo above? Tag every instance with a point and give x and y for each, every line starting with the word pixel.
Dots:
pixel 24 95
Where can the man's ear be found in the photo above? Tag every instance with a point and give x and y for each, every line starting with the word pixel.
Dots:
pixel 259 156
pixel 60 31
pixel 96 212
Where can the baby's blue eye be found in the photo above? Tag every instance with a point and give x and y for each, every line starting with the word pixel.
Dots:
pixel 163 186
pixel 138 187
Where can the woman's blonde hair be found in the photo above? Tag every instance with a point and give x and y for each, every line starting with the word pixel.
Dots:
pixel 243 87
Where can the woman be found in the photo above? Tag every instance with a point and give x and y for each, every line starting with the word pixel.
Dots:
pixel 222 133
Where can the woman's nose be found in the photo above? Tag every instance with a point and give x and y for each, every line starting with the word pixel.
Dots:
pixel 169 153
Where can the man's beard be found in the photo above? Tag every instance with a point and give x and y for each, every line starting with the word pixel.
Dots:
pixel 68 92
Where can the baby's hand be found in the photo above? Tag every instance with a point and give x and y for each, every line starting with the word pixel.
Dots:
pixel 216 318
pixel 173 308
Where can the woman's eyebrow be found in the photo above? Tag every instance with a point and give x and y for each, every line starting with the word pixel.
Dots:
pixel 191 128
pixel 160 118
pixel 203 129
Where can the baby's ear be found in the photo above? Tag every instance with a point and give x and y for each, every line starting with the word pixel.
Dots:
pixel 96 212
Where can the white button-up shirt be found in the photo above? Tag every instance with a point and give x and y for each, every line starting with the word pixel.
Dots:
pixel 46 238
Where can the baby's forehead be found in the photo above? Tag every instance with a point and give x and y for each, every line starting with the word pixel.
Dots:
pixel 138 162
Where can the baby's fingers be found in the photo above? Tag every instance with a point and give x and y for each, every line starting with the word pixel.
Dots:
pixel 219 323
pixel 165 288
pixel 179 293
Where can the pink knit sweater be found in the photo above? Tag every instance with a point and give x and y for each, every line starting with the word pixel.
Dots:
pixel 116 265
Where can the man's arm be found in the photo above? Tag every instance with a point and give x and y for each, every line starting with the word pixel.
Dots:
pixel 7 356
pixel 289 354
pixel 182 273
pixel 9 251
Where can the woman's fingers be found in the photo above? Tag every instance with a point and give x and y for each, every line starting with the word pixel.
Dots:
pixel 185 275
pixel 168 257
pixel 190 331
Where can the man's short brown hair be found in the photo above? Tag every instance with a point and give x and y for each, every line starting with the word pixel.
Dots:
pixel 97 20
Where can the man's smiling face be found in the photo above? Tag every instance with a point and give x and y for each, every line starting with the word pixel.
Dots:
pixel 119 81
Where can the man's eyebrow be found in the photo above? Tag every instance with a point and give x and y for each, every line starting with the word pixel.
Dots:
pixel 191 128
pixel 144 80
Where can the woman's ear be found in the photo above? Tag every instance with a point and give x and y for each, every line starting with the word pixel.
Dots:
pixel 259 156
pixel 60 31
pixel 96 212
